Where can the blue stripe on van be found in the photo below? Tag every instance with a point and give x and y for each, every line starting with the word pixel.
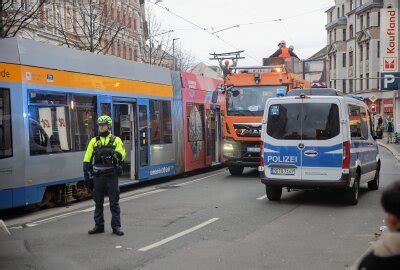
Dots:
pixel 292 155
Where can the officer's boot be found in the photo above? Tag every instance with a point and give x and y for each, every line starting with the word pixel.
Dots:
pixel 96 229
pixel 117 231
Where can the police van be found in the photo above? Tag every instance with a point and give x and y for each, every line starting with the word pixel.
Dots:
pixel 318 142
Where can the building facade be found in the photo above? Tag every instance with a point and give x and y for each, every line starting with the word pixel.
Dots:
pixel 355 30
pixel 58 19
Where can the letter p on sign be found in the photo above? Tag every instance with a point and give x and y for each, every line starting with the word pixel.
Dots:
pixel 390 81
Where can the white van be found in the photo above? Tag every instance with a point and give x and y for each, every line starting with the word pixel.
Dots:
pixel 318 142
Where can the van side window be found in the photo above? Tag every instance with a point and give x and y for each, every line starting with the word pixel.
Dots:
pixel 358 126
pixel 364 123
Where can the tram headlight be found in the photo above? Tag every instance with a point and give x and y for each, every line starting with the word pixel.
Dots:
pixel 228 147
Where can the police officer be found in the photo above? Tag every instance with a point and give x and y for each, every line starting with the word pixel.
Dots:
pixel 102 158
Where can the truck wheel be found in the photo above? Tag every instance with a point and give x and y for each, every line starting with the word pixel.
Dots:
pixel 351 194
pixel 374 184
pixel 236 170
pixel 273 193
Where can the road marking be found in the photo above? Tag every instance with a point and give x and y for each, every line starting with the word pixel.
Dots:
pixel 90 209
pixel 123 199
pixel 197 180
pixel 173 237
pixel 262 197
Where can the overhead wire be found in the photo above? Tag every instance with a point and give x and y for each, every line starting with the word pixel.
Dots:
pixel 204 29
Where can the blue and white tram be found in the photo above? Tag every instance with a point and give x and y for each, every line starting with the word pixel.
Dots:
pixel 50 98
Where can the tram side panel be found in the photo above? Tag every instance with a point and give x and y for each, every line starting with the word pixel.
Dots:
pixel 177 122
pixel 13 182
pixel 197 117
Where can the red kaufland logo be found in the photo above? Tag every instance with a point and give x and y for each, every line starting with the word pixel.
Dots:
pixel 390 64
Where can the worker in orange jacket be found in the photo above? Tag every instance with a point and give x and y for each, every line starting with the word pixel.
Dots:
pixel 283 51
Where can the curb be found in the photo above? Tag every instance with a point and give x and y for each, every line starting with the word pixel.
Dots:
pixel 391 149
pixel 3 228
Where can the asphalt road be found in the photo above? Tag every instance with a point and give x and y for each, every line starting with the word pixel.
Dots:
pixel 208 221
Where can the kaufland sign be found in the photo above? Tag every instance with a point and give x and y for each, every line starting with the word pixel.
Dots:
pixel 389 40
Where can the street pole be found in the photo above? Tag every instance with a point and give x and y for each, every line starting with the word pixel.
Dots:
pixel 173 52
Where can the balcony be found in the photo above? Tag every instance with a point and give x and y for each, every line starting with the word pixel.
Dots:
pixel 365 6
pixel 336 22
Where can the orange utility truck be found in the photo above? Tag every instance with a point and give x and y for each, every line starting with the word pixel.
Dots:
pixel 246 90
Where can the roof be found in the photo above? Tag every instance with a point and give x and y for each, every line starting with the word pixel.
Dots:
pixel 320 55
pixel 38 54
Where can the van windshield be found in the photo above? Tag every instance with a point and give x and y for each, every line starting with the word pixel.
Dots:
pixel 303 121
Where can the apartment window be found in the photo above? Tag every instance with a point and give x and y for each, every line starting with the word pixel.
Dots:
pixel 351 85
pixel 130 53
pixel 135 54
pixel 330 37
pixel 368 19
pixel 367 80
pixel 24 5
pixel 334 35
pixel 350 59
pixel 344 86
pixel 361 52
pixel 343 10
pixel 344 60
pixel 351 5
pixel 378 80
pixel 378 47
pixel 338 13
pixel 361 22
pixel 361 82
pixel 69 18
pixel 361 2
pixel 379 18
pixel 351 31
pixel 334 61
pixel 330 16
pixel 367 51
pixel 344 34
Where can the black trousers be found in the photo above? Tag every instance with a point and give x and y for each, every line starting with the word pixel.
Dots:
pixel 106 184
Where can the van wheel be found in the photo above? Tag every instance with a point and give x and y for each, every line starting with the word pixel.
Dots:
pixel 351 195
pixel 374 184
pixel 273 193
pixel 236 170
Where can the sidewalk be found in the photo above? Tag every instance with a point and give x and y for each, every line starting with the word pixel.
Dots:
pixel 393 147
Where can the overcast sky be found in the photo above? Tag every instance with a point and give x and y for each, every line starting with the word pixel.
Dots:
pixel 303 26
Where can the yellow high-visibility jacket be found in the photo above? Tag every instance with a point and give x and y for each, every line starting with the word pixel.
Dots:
pixel 119 146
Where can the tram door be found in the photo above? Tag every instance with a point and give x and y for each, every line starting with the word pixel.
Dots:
pixel 143 135
pixel 216 135
pixel 124 127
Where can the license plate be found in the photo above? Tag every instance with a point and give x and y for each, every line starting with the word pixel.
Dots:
pixel 283 171
pixel 253 149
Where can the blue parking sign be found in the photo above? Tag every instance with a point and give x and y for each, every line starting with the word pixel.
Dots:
pixel 390 80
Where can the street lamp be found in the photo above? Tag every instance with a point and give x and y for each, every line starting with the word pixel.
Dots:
pixel 173 52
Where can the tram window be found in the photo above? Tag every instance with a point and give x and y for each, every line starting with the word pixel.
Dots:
pixel 105 109
pixel 83 116
pixel 49 129
pixel 167 122
pixel 5 124
pixel 160 122
pixel 47 98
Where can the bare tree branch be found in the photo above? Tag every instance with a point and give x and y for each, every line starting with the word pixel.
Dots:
pixel 15 19
pixel 93 23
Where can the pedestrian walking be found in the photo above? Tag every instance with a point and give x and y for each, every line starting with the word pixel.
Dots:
pixel 385 253
pixel 102 159
pixel 389 131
